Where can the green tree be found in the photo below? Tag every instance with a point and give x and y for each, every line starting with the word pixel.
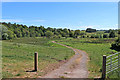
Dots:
pixel 66 31
pixel 119 33
pixel 32 34
pixel 27 33
pixel 116 45
pixel 41 32
pixel 71 33
pixel 82 33
pixel 56 33
pixel 18 33
pixel 38 34
pixel 49 34
pixel 105 35
pixel 112 34
pixel 90 30
pixel 4 36
pixel 77 32
pixel 63 34
pixel 10 34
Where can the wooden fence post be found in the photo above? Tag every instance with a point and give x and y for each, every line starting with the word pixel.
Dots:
pixel 118 65
pixel 35 61
pixel 104 67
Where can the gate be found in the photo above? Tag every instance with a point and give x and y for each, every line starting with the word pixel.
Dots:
pixel 111 63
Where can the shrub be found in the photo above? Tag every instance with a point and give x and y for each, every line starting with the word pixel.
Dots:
pixel 116 45
pixel 4 36
pixel 112 34
pixel 106 35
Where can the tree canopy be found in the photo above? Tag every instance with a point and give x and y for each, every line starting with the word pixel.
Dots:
pixel 10 31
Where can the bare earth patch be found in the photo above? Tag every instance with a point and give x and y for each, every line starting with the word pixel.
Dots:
pixel 76 67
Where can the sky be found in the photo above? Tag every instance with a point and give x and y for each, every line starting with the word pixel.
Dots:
pixel 72 15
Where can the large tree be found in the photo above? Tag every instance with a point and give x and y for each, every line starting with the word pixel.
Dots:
pixel 77 33
pixel 112 34
pixel 116 45
pixel 4 36
pixel 49 34
pixel 90 30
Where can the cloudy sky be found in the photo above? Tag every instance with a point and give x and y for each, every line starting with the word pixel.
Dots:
pixel 73 15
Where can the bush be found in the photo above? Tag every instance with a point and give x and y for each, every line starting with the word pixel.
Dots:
pixel 97 36
pixel 116 45
pixel 57 36
pixel 106 35
pixel 112 34
pixel 84 36
pixel 10 34
pixel 49 34
pixel 4 36
pixel 92 36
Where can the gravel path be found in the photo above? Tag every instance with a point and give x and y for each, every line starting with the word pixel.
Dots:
pixel 76 67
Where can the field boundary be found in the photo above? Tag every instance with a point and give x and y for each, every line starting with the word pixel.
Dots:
pixel 111 63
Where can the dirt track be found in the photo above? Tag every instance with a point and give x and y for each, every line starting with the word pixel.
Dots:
pixel 76 67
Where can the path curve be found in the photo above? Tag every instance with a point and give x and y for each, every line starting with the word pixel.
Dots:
pixel 76 67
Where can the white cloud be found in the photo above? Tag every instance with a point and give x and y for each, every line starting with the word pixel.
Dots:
pixel 16 20
pixel 116 24
pixel 87 26
pixel 9 20
pixel 100 27
pixel 107 28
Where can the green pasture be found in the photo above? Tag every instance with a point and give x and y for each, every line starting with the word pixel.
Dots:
pixel 18 56
pixel 95 49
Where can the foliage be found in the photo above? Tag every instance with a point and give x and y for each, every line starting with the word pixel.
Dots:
pixel 106 35
pixel 112 34
pixel 90 30
pixel 19 30
pixel 77 32
pixel 4 36
pixel 116 45
pixel 49 34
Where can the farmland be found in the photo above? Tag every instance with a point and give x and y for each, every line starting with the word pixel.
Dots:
pixel 95 49
pixel 18 54
pixel 59 39
pixel 18 57
pixel 20 42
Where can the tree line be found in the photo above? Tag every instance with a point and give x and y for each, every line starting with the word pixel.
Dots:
pixel 10 31
pixel 116 45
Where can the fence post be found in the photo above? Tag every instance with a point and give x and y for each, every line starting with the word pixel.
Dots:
pixel 118 65
pixel 35 61
pixel 104 67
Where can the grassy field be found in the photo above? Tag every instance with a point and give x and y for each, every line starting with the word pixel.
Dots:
pixel 18 56
pixel 95 49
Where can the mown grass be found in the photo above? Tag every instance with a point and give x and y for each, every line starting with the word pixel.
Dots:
pixel 95 49
pixel 18 57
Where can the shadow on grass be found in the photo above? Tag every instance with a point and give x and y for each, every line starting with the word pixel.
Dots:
pixel 31 71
